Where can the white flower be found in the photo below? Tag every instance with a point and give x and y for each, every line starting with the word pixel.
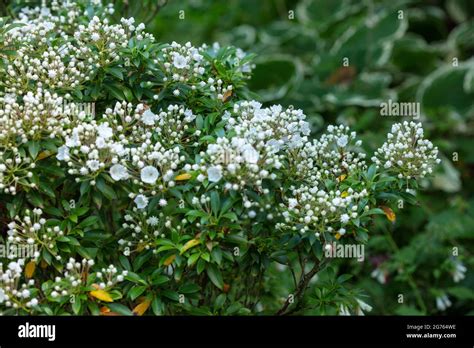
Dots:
pixel 14 266
pixel 343 310
pixel 105 131
pixel 189 116
pixel 118 172
pixel 118 149
pixel 344 218
pixel 149 174
pixel 152 221
pixel 214 174
pixel 379 275
pixel 73 141
pixel 63 153
pixel 100 143
pixel 149 118
pixel 2 295
pixel 93 165
pixel 443 302
pixel 459 272
pixel 95 37
pixel 363 306
pixel 141 201
pixel 179 61
pixel 292 202
pixel 342 141
pixel 249 154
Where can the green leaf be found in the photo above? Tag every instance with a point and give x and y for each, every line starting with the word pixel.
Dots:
pixel 33 148
pixel 172 295
pixel 85 187
pixel 461 293
pixel 371 172
pixel 76 306
pixel 106 190
pixel 141 259
pixel 275 75
pixel 115 91
pixel 215 276
pixel 135 278
pixel 189 288
pixel 157 306
pixel 89 221
pixel 137 291
pixel 125 263
pixel 117 72
pixel 216 254
pixel 193 258
pixel 215 202
pixel 119 308
pixel 160 279
pixel 446 88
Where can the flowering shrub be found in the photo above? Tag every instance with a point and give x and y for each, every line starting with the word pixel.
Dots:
pixel 172 191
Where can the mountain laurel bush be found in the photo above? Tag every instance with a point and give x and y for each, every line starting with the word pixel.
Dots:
pixel 145 178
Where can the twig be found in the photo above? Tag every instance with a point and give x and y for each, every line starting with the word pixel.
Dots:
pixel 303 284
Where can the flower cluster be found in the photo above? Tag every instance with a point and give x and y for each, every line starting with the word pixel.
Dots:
pixel 84 47
pixel 15 169
pixel 335 153
pixel 318 210
pixel 182 64
pixel 89 148
pixel 39 114
pixel 13 292
pixel 77 278
pixel 187 65
pixel 406 153
pixel 141 230
pixel 125 145
pixel 34 230
pixel 259 139
pixel 359 307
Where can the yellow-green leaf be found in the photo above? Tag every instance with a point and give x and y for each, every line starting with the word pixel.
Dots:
pixel 341 177
pixel 141 308
pixel 227 95
pixel 169 260
pixel 182 177
pixel 388 213
pixel 30 269
pixel 43 155
pixel 101 295
pixel 189 245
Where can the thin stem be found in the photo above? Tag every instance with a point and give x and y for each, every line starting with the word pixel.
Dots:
pixel 411 281
pixel 302 285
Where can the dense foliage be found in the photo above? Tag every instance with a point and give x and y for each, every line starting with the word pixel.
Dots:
pixel 149 180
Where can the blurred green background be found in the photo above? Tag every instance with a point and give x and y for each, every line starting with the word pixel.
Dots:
pixel 405 51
